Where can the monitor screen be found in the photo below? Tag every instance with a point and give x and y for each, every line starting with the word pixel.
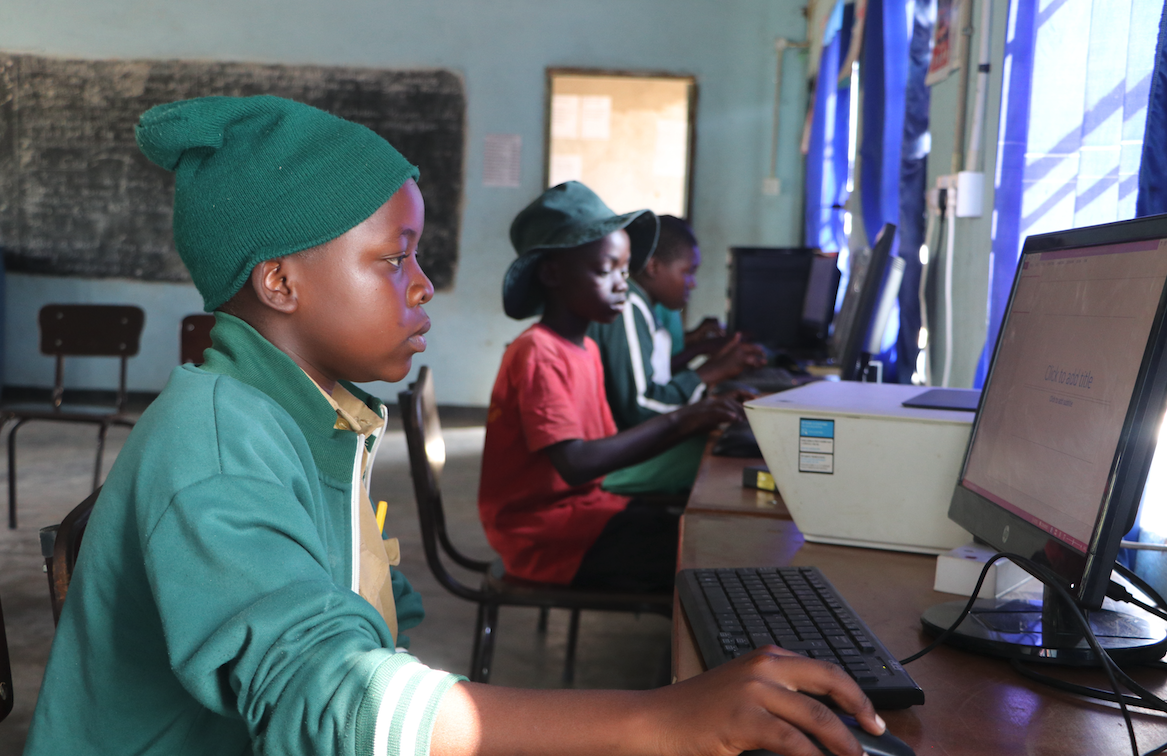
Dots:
pixel 1071 407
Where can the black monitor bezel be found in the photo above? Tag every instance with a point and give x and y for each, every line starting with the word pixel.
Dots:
pixel 851 350
pixel 1088 575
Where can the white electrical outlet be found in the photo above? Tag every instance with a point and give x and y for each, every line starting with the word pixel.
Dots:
pixel 771 186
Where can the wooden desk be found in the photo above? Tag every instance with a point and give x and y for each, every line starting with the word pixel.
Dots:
pixel 718 488
pixel 975 705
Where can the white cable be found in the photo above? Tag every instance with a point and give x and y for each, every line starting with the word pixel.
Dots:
pixel 1143 546
pixel 950 227
pixel 974 145
pixel 933 211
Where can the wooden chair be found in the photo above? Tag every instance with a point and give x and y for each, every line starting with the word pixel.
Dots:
pixel 423 435
pixel 60 545
pixel 78 331
pixel 195 338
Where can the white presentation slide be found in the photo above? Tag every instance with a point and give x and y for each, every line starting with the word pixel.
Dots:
pixel 1061 388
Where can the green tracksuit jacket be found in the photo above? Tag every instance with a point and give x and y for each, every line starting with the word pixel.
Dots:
pixel 636 352
pixel 214 609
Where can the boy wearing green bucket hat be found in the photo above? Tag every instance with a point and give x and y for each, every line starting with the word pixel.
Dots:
pixel 550 435
pixel 234 594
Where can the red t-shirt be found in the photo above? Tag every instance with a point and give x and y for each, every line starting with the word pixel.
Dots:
pixel 548 390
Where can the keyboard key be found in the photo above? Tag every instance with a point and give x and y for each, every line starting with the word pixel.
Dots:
pixel 761 639
pixel 840 641
pixel 807 645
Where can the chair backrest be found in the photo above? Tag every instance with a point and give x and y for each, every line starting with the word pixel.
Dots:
pixel 90 331
pixel 195 337
pixel 60 545
pixel 427 456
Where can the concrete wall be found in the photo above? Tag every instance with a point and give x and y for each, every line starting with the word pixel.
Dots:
pixel 502 49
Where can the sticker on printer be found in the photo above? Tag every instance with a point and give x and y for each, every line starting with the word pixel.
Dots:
pixel 816 446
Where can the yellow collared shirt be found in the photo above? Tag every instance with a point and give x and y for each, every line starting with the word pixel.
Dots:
pixel 377 554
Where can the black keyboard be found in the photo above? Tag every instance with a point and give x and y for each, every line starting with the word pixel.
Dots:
pixel 733 611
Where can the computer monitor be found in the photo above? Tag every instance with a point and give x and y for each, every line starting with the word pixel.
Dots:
pixel 1065 434
pixel 767 286
pixel 818 306
pixel 852 327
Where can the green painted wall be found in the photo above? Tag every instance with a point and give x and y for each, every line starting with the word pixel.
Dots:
pixel 502 49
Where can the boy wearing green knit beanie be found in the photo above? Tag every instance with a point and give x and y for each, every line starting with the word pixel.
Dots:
pixel 234 593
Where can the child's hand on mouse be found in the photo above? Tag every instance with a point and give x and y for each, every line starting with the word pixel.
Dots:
pixel 757 701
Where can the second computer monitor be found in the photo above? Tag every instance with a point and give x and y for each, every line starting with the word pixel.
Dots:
pixel 783 298
pixel 853 324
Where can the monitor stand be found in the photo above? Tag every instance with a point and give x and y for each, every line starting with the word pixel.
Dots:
pixel 1043 631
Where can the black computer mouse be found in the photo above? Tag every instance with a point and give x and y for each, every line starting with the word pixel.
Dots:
pixel 875 745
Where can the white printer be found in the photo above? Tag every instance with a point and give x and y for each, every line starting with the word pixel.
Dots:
pixel 857 468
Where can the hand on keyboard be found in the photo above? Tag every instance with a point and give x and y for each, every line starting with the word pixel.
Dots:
pixel 758 701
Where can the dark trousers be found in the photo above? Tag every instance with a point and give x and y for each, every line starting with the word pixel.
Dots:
pixel 636 551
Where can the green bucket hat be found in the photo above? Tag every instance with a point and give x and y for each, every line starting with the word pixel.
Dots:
pixel 566 216
pixel 263 177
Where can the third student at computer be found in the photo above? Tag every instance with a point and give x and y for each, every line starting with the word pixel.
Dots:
pixel 637 349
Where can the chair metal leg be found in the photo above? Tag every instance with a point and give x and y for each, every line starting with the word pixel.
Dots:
pixel 476 644
pixel 544 613
pixel 12 473
pixel 101 431
pixel 484 641
pixel 572 641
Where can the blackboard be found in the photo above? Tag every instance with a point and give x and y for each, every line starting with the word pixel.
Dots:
pixel 77 198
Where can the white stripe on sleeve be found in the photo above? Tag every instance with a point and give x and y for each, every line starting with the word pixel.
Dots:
pixel 390 700
pixel 636 356
pixel 418 703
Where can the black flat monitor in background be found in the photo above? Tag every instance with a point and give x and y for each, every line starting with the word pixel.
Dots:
pixel 818 305
pixel 1064 437
pixel 766 290
pixel 853 325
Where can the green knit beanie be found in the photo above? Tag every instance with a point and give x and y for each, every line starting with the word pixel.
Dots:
pixel 263 177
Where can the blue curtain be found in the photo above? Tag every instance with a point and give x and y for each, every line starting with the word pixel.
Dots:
pixel 913 183
pixel 1078 74
pixel 1152 198
pixel 884 76
pixel 826 160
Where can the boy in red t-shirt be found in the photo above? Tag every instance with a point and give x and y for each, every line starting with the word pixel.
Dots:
pixel 550 436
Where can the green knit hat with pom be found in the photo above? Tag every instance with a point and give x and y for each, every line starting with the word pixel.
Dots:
pixel 263 177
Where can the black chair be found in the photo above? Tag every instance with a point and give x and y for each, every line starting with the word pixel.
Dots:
pixel 423 435
pixel 78 331
pixel 194 337
pixel 7 692
pixel 60 545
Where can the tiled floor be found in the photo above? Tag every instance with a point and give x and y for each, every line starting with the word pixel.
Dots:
pixel 55 469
